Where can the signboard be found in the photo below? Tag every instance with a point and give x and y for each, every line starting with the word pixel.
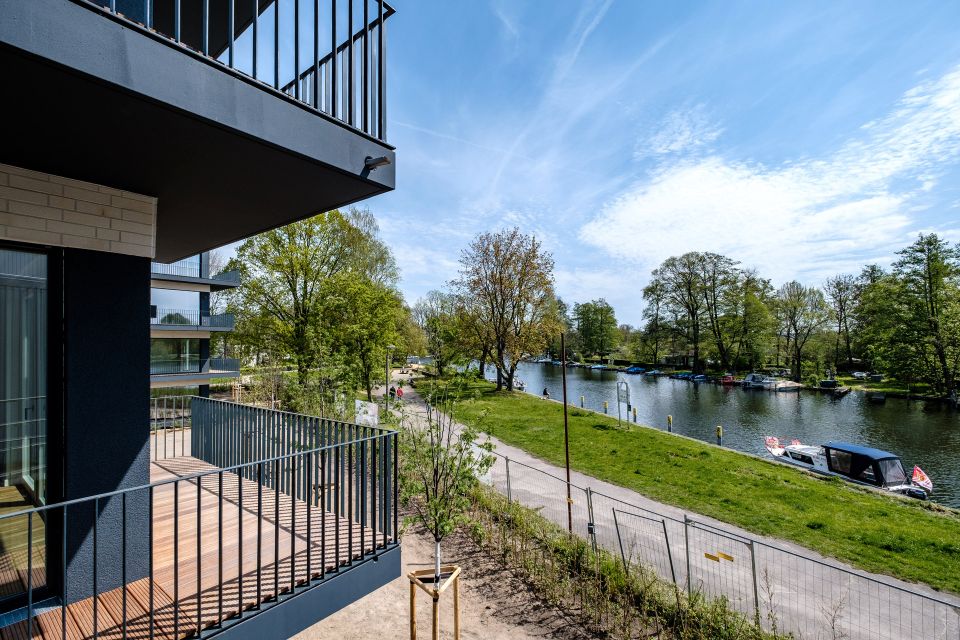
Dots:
pixel 623 392
pixel 367 413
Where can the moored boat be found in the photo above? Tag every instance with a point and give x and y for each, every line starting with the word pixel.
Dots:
pixel 855 463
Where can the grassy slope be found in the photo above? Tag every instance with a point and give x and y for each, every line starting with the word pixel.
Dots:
pixel 912 540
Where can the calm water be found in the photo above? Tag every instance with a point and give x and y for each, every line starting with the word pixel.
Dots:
pixel 920 433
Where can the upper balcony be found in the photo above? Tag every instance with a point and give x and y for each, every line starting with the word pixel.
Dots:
pixel 238 115
pixel 191 320
pixel 191 271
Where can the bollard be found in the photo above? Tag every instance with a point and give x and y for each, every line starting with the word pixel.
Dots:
pixel 581 402
pixel 634 415
pixel 669 424
pixel 604 406
pixel 719 435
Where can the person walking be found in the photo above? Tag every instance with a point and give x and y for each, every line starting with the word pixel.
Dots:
pixel 546 393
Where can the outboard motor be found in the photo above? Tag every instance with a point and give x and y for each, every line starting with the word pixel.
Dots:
pixel 916 492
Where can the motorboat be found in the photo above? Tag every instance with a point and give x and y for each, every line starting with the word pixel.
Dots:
pixel 634 369
pixel 727 379
pixel 855 463
pixel 759 381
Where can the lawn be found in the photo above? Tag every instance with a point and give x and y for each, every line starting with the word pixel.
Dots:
pixel 888 385
pixel 910 539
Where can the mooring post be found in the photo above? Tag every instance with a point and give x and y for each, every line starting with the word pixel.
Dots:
pixel 669 424
pixel 581 402
pixel 634 415
pixel 604 406
pixel 719 435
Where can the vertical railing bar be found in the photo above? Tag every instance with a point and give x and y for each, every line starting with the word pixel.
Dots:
pixel 393 481
pixel 276 530
pixel 231 20
pixel 147 14
pixel 316 54
pixel 63 576
pixel 293 526
pixel 350 89
pixel 337 505
pixel 199 545
pixel 206 27
pixel 381 87
pixel 220 547
pixel 259 529
pixel 296 49
pixel 366 66
pixel 374 462
pixel 323 514
pixel 96 596
pixel 123 560
pixel 256 19
pixel 310 463
pixel 240 545
pixel 362 498
pixel 276 47
pixel 350 510
pixel 333 58
pixel 150 558
pixel 30 574
pixel 176 559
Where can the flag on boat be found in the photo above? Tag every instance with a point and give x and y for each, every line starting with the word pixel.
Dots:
pixel 921 479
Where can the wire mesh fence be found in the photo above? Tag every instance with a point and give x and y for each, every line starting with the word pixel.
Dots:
pixel 780 589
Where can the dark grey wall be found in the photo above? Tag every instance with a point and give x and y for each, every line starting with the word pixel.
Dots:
pixel 106 390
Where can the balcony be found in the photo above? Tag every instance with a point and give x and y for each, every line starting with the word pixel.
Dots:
pixel 189 271
pixel 252 516
pixel 191 320
pixel 242 115
pixel 194 366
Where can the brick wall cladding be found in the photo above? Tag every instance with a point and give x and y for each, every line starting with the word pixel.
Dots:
pixel 46 209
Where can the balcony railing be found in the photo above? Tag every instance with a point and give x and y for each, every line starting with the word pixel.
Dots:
pixel 189 268
pixel 191 318
pixel 262 506
pixel 332 61
pixel 171 366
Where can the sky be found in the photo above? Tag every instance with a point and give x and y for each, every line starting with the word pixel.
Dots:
pixel 801 139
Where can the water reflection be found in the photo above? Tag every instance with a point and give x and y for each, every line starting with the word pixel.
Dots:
pixel 927 434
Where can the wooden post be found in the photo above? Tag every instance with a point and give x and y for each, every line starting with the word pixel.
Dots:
pixel 456 608
pixel 436 616
pixel 413 611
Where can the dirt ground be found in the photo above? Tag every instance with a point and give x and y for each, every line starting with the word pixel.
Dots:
pixel 494 603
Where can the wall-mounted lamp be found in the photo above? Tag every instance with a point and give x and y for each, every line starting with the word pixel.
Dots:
pixel 372 163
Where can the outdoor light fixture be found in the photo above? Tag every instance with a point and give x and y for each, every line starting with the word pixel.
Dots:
pixel 372 163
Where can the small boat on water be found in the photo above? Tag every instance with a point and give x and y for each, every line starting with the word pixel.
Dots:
pixel 759 381
pixel 856 463
pixel 519 385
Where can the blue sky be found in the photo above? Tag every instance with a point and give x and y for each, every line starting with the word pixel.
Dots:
pixel 803 139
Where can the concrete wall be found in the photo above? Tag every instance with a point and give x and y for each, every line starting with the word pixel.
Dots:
pixel 46 209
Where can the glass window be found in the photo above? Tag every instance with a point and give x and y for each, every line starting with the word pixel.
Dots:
pixel 174 355
pixel 840 461
pixel 893 473
pixel 23 414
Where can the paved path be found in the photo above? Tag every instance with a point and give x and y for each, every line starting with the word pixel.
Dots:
pixel 809 594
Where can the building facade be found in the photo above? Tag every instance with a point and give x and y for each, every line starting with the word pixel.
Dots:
pixel 182 324
pixel 147 133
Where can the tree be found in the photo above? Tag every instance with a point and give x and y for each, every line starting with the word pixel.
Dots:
pixel 507 278
pixel 804 310
pixel 284 271
pixel 841 291
pixel 655 331
pixel 436 313
pixel 930 272
pixel 441 462
pixel 680 278
pixel 596 327
pixel 719 278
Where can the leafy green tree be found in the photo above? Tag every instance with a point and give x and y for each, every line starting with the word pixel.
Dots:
pixel 436 314
pixel 596 327
pixel 841 291
pixel 804 310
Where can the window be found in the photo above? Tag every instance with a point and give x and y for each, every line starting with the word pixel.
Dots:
pixel 801 457
pixel 840 461
pixel 174 355
pixel 23 413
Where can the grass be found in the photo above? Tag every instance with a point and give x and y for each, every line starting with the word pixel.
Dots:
pixel 910 539
pixel 888 385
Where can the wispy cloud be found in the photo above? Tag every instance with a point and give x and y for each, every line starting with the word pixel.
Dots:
pixel 805 216
pixel 682 130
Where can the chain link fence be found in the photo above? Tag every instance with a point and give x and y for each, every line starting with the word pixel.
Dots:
pixel 782 590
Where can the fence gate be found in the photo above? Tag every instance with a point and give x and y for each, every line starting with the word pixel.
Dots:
pixel 721 564
pixel 643 541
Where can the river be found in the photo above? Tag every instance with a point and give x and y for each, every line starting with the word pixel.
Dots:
pixel 921 433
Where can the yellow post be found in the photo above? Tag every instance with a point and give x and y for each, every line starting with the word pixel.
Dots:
pixel 581 402
pixel 456 608
pixel 634 414
pixel 604 406
pixel 413 611
pixel 669 424
pixel 719 435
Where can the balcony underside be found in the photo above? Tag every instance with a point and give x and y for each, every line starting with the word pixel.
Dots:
pixel 227 574
pixel 98 100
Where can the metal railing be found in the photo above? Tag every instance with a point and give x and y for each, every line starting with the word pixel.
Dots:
pixel 168 558
pixel 318 56
pixel 227 277
pixel 191 318
pixel 189 267
pixel 775 586
pixel 173 366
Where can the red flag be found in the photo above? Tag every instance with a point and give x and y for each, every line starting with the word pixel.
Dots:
pixel 920 479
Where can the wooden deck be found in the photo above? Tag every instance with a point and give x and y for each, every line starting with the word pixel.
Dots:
pixel 188 592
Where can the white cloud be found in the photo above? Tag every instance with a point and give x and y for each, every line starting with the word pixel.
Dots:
pixel 802 217
pixel 682 130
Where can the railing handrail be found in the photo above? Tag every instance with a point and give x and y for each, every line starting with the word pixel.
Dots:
pixel 291 413
pixel 200 474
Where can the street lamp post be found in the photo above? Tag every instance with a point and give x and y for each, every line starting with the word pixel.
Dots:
pixel 566 433
pixel 386 378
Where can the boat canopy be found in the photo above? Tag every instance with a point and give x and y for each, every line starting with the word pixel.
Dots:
pixel 872 466
pixel 868 452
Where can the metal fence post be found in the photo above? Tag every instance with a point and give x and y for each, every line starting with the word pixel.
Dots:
pixel 509 493
pixel 666 539
pixel 756 593
pixel 686 544
pixel 591 524
pixel 623 556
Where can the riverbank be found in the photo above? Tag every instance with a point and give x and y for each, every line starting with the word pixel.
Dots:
pixel 912 540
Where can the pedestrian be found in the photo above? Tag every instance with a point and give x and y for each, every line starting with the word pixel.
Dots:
pixel 400 393
pixel 546 394
pixel 393 391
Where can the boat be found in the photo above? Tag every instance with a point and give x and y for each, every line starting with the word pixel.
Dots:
pixel 598 366
pixel 519 385
pixel 727 379
pixel 634 370
pixel 759 381
pixel 655 372
pixel 855 463
pixel 699 378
